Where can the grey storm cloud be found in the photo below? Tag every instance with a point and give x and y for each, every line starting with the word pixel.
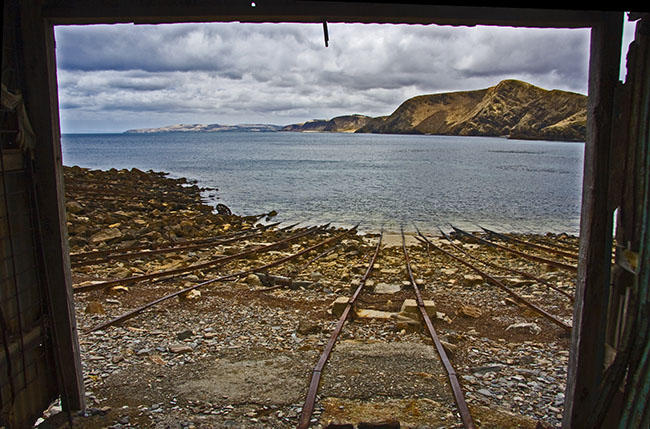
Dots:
pixel 148 75
pixel 178 47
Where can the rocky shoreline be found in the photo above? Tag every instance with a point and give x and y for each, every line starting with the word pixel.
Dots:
pixel 239 353
pixel 119 208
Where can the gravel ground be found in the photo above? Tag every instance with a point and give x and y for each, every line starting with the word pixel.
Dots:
pixel 241 353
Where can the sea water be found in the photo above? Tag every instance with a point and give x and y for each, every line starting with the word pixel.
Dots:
pixel 376 180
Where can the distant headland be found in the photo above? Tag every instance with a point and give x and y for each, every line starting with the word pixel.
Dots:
pixel 209 128
pixel 512 109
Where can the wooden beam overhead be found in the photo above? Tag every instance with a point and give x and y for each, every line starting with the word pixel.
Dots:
pixel 64 12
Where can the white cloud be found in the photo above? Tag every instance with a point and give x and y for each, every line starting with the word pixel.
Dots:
pixel 148 75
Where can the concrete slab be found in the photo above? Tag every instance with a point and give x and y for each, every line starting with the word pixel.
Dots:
pixel 472 279
pixel 394 239
pixel 374 314
pixel 387 288
pixel 338 306
pixel 410 308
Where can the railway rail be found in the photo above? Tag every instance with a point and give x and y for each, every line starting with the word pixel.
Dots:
pixel 512 270
pixel 550 262
pixel 465 415
pixel 330 244
pixel 81 256
pixel 571 255
pixel 132 313
pixel 493 280
pixel 308 407
pixel 197 267
pixel 558 244
pixel 198 244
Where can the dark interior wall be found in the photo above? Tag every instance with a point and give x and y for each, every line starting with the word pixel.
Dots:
pixel 39 356
pixel 27 371
pixel 29 24
pixel 27 377
pixel 626 379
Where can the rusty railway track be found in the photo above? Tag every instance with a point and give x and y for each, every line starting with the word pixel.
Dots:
pixel 199 244
pixel 312 260
pixel 512 270
pixel 75 257
pixel 550 262
pixel 308 407
pixel 134 312
pixel 196 267
pixel 491 279
pixel 530 244
pixel 451 373
pixel 566 246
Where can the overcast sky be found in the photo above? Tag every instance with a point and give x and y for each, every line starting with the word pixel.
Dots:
pixel 117 77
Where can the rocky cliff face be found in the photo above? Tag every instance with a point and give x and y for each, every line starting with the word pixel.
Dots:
pixel 512 108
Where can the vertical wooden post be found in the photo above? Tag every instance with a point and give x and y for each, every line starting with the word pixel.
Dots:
pixel 637 388
pixel 41 100
pixel 593 286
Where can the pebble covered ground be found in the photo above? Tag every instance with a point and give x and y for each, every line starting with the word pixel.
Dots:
pixel 240 353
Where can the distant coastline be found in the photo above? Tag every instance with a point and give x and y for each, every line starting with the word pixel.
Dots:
pixel 209 128
pixel 512 109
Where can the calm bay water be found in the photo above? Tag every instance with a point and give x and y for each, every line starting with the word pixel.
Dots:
pixel 378 180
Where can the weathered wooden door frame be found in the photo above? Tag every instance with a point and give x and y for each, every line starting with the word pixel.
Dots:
pixel 596 220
